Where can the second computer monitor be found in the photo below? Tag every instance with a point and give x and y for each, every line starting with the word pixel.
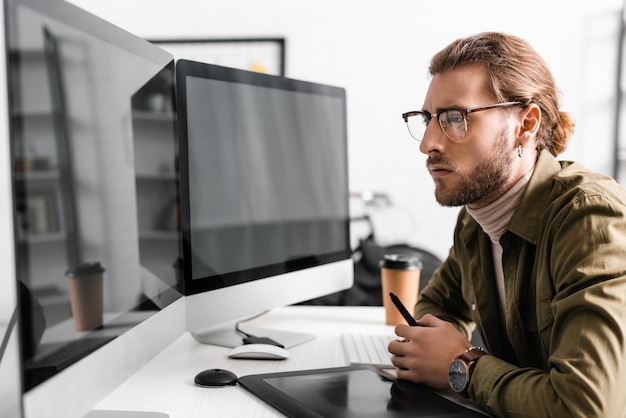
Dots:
pixel 264 192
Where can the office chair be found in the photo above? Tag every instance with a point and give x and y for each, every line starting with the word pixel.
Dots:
pixel 367 287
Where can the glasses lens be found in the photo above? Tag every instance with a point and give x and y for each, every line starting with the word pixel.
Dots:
pixel 417 125
pixel 453 124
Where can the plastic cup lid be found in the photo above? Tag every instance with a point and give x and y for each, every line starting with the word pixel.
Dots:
pixel 85 269
pixel 400 262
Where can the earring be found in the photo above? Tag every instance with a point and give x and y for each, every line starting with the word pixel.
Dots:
pixel 520 151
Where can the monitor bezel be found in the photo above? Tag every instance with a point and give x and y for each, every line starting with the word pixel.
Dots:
pixel 189 68
pixel 73 392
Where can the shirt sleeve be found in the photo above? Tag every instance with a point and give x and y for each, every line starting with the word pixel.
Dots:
pixel 443 296
pixel 580 304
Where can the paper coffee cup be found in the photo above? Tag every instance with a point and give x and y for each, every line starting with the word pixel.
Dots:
pixel 85 287
pixel 400 274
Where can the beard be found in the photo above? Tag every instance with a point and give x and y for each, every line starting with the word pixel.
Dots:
pixel 488 177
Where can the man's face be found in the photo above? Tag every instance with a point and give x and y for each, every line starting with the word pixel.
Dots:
pixel 480 167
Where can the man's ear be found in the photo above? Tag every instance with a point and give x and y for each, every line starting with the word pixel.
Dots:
pixel 530 120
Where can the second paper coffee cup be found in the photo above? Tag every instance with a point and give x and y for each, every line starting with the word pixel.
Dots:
pixel 85 286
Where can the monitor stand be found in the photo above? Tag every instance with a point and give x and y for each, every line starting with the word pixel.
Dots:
pixel 228 337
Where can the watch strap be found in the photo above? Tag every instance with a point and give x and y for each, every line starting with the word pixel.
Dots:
pixel 472 354
pixel 470 357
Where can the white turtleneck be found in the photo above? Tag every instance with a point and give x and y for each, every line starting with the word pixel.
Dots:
pixel 494 219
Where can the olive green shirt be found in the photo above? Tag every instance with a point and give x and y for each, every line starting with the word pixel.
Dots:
pixel 564 262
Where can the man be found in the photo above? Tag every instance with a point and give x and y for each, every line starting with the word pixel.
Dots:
pixel 538 263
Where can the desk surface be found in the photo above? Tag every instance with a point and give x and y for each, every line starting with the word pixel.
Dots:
pixel 166 384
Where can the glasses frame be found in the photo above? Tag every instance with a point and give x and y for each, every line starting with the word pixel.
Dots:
pixel 464 112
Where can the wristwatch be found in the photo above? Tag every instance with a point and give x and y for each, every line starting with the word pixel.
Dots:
pixel 460 371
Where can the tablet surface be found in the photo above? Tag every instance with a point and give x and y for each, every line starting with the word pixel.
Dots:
pixel 355 391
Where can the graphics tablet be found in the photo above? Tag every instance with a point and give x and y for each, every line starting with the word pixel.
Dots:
pixel 354 391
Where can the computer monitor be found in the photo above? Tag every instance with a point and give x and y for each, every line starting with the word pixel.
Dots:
pixel 94 190
pixel 10 370
pixel 264 196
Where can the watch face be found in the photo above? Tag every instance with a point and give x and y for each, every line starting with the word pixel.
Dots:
pixel 457 375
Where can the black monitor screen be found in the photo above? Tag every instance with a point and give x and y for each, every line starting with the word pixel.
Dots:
pixel 264 174
pixel 94 181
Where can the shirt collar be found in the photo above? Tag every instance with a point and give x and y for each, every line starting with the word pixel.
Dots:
pixel 525 220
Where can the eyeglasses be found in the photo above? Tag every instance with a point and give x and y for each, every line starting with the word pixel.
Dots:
pixel 453 122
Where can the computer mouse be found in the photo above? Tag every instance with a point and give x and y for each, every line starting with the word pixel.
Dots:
pixel 259 352
pixel 215 378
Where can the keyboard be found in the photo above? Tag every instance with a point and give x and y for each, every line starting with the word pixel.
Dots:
pixel 368 349
pixel 67 354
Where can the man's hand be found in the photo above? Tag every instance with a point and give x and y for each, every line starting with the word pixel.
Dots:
pixel 423 354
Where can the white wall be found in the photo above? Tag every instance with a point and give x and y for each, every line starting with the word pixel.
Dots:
pixel 380 52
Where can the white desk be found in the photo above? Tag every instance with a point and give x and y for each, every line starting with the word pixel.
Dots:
pixel 166 383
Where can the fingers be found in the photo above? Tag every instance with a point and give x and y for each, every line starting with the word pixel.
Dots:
pixel 404 331
pixel 423 353
pixel 402 346
pixel 402 351
pixel 399 347
pixel 429 320
pixel 404 360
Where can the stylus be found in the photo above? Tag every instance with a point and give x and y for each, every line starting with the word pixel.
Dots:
pixel 407 316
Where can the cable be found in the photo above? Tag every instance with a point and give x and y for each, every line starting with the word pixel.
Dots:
pixel 243 333
pixel 253 339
